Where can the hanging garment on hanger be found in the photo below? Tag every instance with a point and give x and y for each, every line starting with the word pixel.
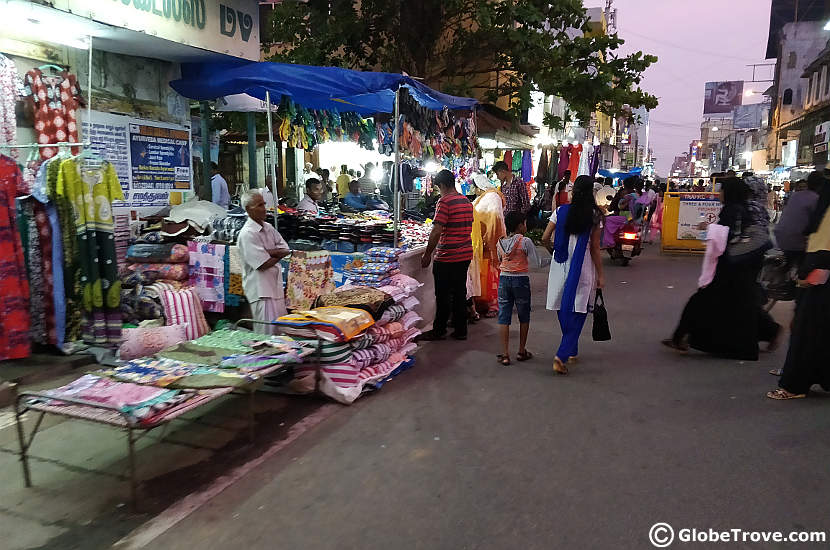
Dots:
pixel 14 286
pixel 41 192
pixel 10 88
pixel 527 166
pixel 69 242
pixel 585 160
pixel 564 159
pixel 56 100
pixel 517 161
pixel 508 159
pixel 91 192
pixel 594 164
pixel 542 173
pixel 573 161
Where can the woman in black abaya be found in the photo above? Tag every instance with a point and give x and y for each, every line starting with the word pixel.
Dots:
pixel 726 317
pixel 808 359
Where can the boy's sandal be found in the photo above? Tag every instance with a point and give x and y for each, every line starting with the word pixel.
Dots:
pixel 781 394
pixel 503 359
pixel 524 356
pixel 559 367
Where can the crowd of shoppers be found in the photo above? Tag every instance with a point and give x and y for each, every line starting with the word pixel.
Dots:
pixel 726 317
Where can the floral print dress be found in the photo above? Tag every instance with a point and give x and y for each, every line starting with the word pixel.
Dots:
pixel 14 286
pixel 91 193
pixel 56 100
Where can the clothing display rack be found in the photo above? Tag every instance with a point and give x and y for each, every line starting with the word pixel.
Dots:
pixel 84 144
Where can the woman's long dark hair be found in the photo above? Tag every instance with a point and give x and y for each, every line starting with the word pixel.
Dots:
pixel 583 210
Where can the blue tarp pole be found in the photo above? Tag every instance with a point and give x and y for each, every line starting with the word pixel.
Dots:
pixel 272 156
pixel 396 191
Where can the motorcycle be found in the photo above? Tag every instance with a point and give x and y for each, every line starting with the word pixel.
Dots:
pixel 628 243
pixel 622 238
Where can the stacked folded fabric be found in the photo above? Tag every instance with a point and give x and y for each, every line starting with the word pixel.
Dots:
pixel 375 268
pixel 207 274
pixel 351 366
pixel 148 263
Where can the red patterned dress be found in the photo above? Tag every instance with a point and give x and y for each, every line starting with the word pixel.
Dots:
pixel 14 287
pixel 56 100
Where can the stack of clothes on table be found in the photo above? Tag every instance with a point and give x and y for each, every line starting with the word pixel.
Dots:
pixel 145 388
pixel 366 337
pixel 374 268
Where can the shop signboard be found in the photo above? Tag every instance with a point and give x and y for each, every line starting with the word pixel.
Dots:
pixel 821 138
pixel 159 157
pixel 722 97
pixel 694 209
pixel 225 26
pixel 151 158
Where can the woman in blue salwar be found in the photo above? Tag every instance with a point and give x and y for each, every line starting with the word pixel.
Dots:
pixel 573 237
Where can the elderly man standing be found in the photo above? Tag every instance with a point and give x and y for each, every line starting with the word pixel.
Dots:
pixel 261 248
pixel 513 188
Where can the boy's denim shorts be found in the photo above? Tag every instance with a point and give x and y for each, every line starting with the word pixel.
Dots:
pixel 514 290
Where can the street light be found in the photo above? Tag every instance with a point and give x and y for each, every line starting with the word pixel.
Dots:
pixel 700 144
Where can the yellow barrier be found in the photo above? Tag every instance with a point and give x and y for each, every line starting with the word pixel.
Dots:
pixel 670 241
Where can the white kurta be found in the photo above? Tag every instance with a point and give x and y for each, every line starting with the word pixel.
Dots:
pixel 559 274
pixel 262 287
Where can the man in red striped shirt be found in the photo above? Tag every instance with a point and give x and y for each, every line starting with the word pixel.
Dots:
pixel 452 244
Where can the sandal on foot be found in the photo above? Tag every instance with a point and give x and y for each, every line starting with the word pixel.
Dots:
pixel 668 342
pixel 524 356
pixel 559 367
pixel 776 372
pixel 781 394
pixel 503 359
pixel 573 360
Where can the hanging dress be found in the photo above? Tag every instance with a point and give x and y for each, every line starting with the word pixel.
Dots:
pixel 56 100
pixel 10 89
pixel 564 158
pixel 91 193
pixel 14 286
pixel 573 161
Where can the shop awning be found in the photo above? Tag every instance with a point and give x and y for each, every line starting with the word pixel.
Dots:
pixel 312 87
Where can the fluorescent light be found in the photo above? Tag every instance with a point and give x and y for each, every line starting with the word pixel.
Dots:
pixel 827 26
pixel 28 20
pixel 715 128
pixel 431 167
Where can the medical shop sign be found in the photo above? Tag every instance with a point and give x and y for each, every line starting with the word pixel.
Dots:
pixel 224 26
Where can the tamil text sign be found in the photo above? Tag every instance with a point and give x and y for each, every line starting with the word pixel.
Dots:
pixel 224 26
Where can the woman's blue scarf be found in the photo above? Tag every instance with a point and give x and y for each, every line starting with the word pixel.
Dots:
pixel 561 241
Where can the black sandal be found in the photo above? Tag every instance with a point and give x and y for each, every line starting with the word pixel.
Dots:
pixel 503 359
pixel 524 356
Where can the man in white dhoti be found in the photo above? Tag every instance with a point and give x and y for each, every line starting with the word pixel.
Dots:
pixel 261 248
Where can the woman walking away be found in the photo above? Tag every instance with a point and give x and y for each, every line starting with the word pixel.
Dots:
pixel 516 253
pixel 573 237
pixel 808 359
pixel 726 317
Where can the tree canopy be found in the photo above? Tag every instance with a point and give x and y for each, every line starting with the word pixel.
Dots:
pixel 458 46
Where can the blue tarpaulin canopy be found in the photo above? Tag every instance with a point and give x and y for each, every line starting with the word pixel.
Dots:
pixel 621 175
pixel 365 93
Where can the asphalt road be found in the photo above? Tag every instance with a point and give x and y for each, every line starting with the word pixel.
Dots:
pixel 461 452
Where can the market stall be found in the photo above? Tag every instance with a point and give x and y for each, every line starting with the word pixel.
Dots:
pixel 419 130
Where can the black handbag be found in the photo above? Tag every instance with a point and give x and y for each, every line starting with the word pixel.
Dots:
pixel 601 331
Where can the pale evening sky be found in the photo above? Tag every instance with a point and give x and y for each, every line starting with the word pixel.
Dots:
pixel 696 42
